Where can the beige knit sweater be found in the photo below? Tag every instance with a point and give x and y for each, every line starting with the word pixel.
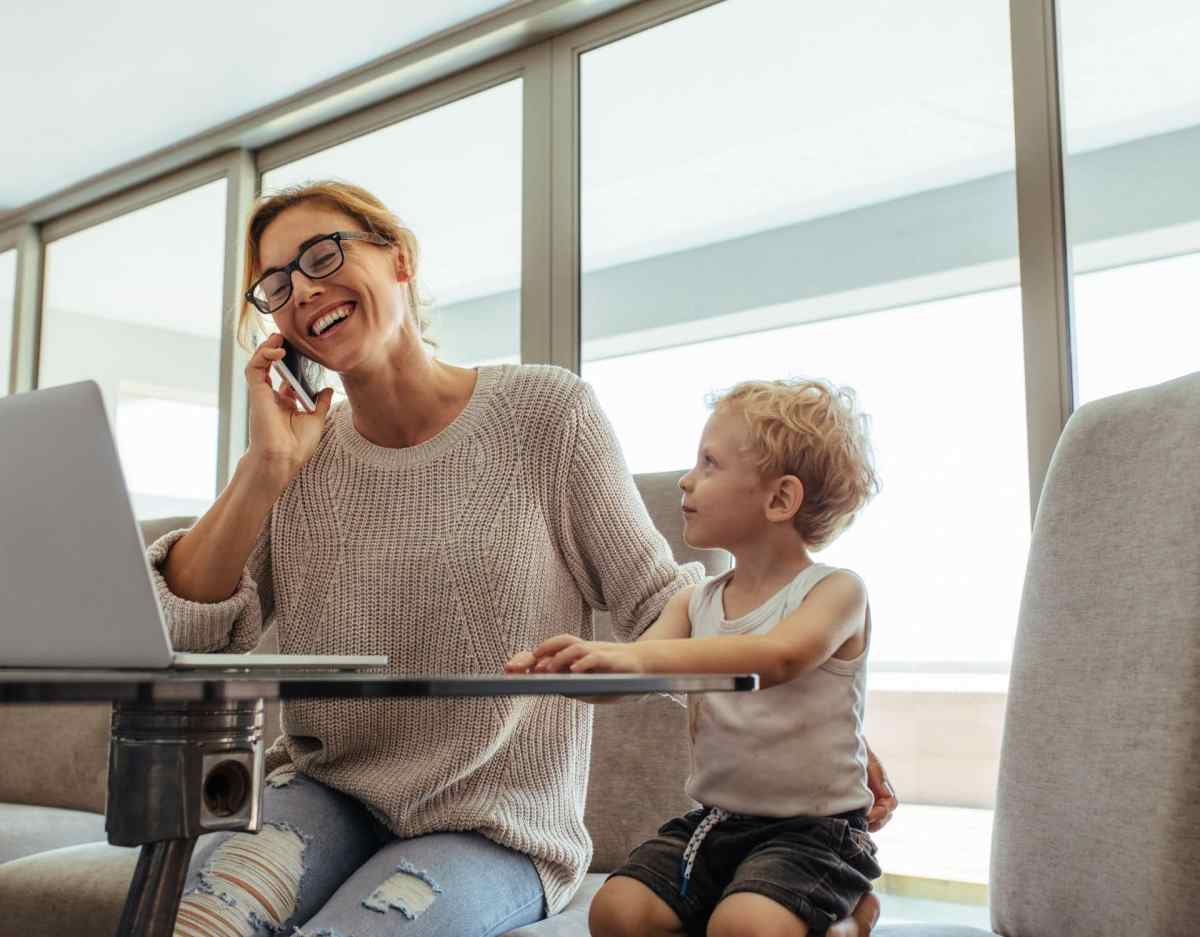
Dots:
pixel 508 527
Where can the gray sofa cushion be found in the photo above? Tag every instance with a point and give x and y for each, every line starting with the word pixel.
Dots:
pixel 89 883
pixel 29 829
pixel 640 762
pixel 69 773
pixel 572 921
pixel 1097 827
pixel 79 891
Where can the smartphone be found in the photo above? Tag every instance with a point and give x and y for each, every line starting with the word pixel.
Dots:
pixel 288 368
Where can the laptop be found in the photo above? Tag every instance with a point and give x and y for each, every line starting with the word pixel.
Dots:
pixel 75 587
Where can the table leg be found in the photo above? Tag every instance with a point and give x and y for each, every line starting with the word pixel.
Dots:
pixel 157 886
pixel 177 770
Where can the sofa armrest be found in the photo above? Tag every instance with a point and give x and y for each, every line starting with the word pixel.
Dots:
pixel 55 755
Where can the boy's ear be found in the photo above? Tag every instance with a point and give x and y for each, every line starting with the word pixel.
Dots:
pixel 787 494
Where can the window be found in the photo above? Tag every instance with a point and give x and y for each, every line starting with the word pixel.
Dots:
pixel 767 189
pixel 815 199
pixel 8 289
pixel 771 189
pixel 152 425
pixel 1136 325
pixel 453 176
pixel 135 304
pixel 951 523
pixel 1131 102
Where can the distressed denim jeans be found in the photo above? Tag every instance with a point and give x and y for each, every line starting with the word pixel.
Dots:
pixel 323 866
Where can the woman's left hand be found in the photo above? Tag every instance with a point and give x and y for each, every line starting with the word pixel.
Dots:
pixel 568 653
pixel 886 801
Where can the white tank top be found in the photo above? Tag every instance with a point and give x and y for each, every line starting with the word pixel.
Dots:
pixel 795 749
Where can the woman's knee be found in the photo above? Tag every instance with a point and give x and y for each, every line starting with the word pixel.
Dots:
pixel 624 907
pixel 250 881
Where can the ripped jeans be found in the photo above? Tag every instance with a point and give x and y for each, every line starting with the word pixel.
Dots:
pixel 322 866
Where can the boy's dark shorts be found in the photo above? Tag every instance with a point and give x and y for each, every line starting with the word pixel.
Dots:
pixel 816 867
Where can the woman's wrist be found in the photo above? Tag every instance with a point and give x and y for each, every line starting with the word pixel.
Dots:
pixel 270 472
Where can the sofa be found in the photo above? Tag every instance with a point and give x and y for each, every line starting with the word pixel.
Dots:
pixel 1097 823
pixel 59 876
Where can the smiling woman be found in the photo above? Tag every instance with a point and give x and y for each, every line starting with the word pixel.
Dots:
pixel 460 189
pixel 374 523
pixel 271 281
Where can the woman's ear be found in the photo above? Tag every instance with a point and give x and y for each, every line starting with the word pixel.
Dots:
pixel 787 494
pixel 402 273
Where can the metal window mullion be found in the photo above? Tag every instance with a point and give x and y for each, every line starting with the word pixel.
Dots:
pixel 242 181
pixel 565 286
pixel 566 261
pixel 536 213
pixel 10 240
pixel 1041 221
pixel 27 310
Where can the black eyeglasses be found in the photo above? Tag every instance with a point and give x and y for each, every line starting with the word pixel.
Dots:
pixel 318 258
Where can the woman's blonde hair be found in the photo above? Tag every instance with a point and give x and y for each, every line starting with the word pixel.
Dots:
pixel 811 429
pixel 351 200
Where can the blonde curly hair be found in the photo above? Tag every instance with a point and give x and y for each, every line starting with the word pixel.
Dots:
pixel 811 429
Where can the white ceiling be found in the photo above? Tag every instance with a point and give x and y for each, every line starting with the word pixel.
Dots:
pixel 86 87
pixel 744 116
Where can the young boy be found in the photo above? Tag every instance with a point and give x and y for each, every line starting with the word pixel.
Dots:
pixel 780 845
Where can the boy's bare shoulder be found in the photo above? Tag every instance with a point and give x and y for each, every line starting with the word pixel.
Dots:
pixel 842 584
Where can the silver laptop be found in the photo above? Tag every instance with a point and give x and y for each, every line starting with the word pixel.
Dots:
pixel 75 587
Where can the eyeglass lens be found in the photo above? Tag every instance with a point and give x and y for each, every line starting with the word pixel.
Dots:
pixel 318 260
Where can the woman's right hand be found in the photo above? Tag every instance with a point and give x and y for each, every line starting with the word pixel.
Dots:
pixel 282 435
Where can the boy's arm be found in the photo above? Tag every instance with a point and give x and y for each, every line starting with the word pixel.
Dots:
pixel 833 613
pixel 672 624
pixel 674 621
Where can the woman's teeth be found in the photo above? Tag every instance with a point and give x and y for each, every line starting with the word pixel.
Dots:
pixel 334 315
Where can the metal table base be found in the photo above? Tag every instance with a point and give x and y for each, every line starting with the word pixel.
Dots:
pixel 186 748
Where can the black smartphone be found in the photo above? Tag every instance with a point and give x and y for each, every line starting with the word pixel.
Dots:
pixel 299 372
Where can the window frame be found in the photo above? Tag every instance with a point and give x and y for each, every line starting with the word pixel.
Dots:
pixel 240 188
pixel 541 42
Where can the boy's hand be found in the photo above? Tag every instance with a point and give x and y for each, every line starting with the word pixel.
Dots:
pixel 521 662
pixel 533 661
pixel 886 800
pixel 567 653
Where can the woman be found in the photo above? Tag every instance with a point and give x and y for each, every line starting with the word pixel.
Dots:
pixel 446 517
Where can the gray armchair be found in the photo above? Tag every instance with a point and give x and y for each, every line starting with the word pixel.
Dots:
pixel 1097 825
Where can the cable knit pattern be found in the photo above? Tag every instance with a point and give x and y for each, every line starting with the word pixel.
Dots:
pixel 508 527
